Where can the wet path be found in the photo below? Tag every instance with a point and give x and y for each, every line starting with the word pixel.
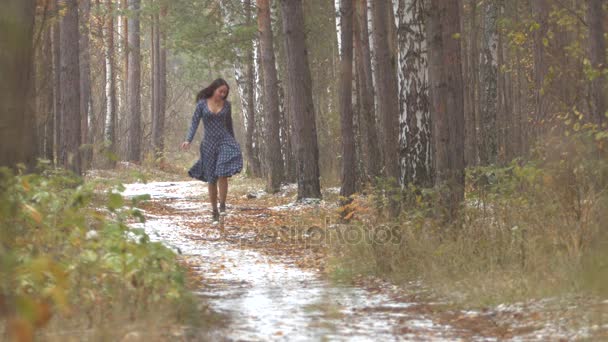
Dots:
pixel 269 299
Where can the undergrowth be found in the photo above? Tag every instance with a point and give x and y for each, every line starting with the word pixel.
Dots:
pixel 530 229
pixel 70 266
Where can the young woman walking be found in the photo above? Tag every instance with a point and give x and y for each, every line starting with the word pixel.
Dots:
pixel 220 153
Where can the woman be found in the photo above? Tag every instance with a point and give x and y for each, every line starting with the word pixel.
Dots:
pixel 220 153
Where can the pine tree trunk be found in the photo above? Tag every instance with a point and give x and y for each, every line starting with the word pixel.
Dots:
pixel 471 117
pixel 134 83
pixel 597 56
pixel 160 143
pixel 388 102
pixel 371 145
pixel 447 103
pixel 47 99
pixel 70 156
pixel 85 79
pixel 488 85
pixel 301 102
pixel 16 67
pixel 414 119
pixel 346 90
pixel 156 84
pixel 274 159
pixel 56 81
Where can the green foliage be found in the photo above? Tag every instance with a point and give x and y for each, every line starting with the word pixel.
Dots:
pixel 66 251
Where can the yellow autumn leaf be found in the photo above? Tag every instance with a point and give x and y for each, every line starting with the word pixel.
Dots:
pixel 33 213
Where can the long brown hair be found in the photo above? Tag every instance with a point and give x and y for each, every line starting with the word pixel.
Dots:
pixel 208 92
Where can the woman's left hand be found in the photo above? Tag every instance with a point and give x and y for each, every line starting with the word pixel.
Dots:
pixel 185 145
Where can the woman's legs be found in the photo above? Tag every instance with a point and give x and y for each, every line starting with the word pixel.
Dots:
pixel 213 195
pixel 223 185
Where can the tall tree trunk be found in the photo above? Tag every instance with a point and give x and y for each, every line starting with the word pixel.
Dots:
pixel 85 80
pixel 447 102
pixel 597 56
pixel 48 97
pixel 158 113
pixel 414 119
pixel 488 85
pixel 301 102
pixel 248 103
pixel 541 13
pixel 56 80
pixel 110 89
pixel 16 65
pixel 134 83
pixel 471 117
pixel 274 159
pixel 346 109
pixel 70 156
pixel 388 102
pixel 160 141
pixel 124 4
pixel 371 145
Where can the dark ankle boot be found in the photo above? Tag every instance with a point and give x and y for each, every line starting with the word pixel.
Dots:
pixel 215 215
pixel 222 208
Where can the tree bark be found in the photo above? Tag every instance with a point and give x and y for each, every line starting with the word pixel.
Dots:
pixel 540 9
pixel 371 145
pixel 597 56
pixel 70 156
pixel 158 89
pixel 56 81
pixel 346 109
pixel 414 119
pixel 447 103
pixel 471 117
pixel 274 159
pixel 488 85
pixel 301 102
pixel 388 101
pixel 16 65
pixel 85 80
pixel 110 89
pixel 134 83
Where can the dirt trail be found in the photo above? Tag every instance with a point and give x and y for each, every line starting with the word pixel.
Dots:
pixel 269 297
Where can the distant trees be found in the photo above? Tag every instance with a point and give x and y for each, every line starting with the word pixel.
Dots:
pixel 597 57
pixel 487 79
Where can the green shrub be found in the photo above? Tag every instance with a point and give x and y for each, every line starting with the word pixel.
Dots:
pixel 66 260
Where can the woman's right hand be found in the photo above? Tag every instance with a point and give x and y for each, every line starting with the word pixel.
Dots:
pixel 185 145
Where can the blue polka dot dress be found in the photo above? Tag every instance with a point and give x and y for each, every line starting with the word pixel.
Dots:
pixel 220 153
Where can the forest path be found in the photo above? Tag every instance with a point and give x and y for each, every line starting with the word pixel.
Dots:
pixel 255 280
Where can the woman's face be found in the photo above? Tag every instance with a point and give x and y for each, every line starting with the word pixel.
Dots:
pixel 220 92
